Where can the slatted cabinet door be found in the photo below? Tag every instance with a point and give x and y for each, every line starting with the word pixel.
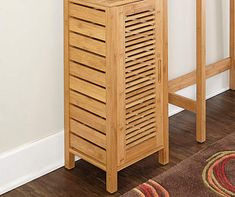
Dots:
pixel 139 82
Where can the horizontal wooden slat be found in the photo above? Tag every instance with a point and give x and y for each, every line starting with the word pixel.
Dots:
pixel 182 101
pixel 88 118
pixel 140 101
pixel 139 126
pixel 140 15
pixel 140 40
pixel 87 58
pixel 139 31
pixel 139 63
pixel 134 140
pixel 87 74
pixel 87 88
pixel 88 158
pixel 130 95
pixel 141 130
pixel 86 13
pixel 140 120
pixel 86 28
pixel 139 50
pixel 88 103
pixel 141 75
pixel 140 115
pixel 141 140
pixel 146 67
pixel 138 81
pixel 136 36
pixel 139 106
pixel 89 3
pixel 140 20
pixel 88 133
pixel 141 25
pixel 139 111
pixel 140 95
pixel 140 45
pixel 87 43
pixel 143 54
pixel 133 88
pixel 88 148
pixel 190 78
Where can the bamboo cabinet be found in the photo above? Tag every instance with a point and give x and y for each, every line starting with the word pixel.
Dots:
pixel 115 83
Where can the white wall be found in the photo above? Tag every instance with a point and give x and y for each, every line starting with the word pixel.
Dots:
pixel 31 78
pixel 31 70
pixel 31 62
pixel 182 42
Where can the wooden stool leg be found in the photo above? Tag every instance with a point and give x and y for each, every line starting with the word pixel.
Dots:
pixel 69 160
pixel 232 44
pixel 201 74
pixel 111 181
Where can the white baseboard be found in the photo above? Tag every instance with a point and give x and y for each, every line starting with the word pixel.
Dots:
pixel 31 161
pixel 176 110
pixel 36 159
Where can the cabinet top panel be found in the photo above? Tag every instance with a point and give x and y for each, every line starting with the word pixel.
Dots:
pixel 105 3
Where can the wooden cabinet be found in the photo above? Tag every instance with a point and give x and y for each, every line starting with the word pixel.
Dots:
pixel 115 83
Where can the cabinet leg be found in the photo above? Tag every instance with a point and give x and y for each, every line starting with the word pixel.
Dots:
pixel 111 181
pixel 164 156
pixel 69 160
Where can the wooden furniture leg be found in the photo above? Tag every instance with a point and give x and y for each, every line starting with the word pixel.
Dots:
pixel 164 153
pixel 200 71
pixel 111 181
pixel 232 44
pixel 69 160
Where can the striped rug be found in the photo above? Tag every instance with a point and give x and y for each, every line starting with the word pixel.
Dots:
pixel 208 173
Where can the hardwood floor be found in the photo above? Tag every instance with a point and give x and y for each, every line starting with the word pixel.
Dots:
pixel 88 181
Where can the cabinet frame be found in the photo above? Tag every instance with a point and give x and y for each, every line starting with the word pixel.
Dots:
pixel 115 88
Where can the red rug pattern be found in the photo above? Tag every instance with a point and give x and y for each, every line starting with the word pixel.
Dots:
pixel 219 173
pixel 150 189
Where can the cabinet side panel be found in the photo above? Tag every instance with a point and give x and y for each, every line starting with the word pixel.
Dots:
pixel 69 157
pixel 86 76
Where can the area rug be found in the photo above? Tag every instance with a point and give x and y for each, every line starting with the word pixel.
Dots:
pixel 208 173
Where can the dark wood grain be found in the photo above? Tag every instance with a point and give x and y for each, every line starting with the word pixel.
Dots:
pixel 87 180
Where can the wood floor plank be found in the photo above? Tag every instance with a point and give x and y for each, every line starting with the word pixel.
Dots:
pixel 89 181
